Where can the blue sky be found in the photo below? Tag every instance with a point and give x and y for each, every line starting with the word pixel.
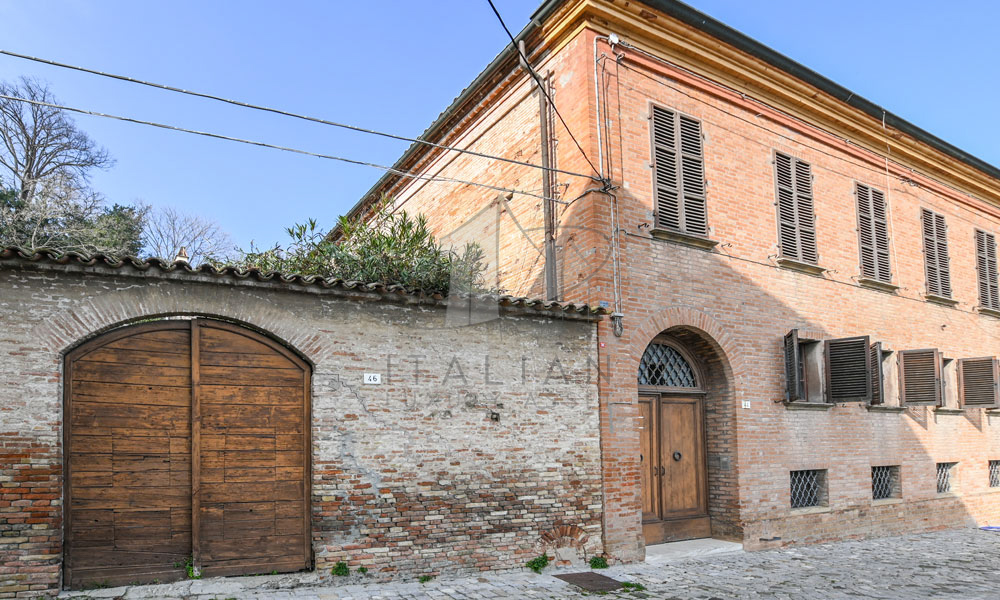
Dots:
pixel 394 65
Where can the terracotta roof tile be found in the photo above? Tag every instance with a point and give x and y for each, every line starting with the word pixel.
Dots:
pixel 14 255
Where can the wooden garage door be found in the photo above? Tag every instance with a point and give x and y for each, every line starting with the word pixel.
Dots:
pixel 141 402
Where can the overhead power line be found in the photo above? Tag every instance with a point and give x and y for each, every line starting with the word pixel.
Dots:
pixel 541 88
pixel 219 136
pixel 286 113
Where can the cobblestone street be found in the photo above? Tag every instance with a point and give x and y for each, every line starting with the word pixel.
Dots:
pixel 949 564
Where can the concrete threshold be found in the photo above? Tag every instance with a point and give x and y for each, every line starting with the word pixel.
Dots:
pixel 673 551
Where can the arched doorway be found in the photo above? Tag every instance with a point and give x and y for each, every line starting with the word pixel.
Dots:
pixel 673 449
pixel 187 444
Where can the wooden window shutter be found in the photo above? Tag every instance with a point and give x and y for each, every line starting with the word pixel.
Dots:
pixel 796 220
pixel 986 268
pixel 679 173
pixel 793 368
pixel 878 386
pixel 848 370
pixel 980 382
pixel 935 235
pixel 920 377
pixel 873 234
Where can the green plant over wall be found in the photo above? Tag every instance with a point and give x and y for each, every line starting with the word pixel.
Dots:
pixel 389 247
pixel 538 563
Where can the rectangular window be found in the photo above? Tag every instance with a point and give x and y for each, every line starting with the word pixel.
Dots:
pixel 980 382
pixel 994 473
pixel 848 370
pixel 885 483
pixel 808 488
pixel 873 234
pixel 920 377
pixel 796 220
pixel 946 477
pixel 678 173
pixel 936 264
pixel 986 268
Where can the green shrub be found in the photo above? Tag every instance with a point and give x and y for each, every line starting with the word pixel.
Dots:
pixel 340 570
pixel 598 562
pixel 425 578
pixel 538 563
pixel 388 248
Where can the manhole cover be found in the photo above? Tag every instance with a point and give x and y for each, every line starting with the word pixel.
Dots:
pixel 592 582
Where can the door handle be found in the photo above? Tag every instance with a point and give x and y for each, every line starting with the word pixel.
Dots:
pixel 677 456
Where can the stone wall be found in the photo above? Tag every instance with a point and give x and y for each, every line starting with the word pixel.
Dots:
pixel 479 449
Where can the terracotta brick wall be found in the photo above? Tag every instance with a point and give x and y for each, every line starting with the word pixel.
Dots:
pixel 738 302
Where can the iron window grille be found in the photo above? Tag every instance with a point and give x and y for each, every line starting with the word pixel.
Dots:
pixel 663 366
pixel 945 477
pixel 994 473
pixel 885 482
pixel 808 488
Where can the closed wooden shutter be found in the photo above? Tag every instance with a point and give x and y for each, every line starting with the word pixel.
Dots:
pixel 848 370
pixel 878 385
pixel 980 379
pixel 793 368
pixel 920 377
pixel 679 173
pixel 936 254
pixel 986 267
pixel 796 221
pixel 873 234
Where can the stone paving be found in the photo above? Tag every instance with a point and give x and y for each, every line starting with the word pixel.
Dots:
pixel 961 563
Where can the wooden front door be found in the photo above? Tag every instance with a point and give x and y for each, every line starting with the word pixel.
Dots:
pixel 186 443
pixel 674 473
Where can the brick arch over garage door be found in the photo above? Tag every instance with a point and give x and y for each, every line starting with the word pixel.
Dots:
pixel 185 438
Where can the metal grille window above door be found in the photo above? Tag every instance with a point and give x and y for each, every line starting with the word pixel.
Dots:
pixel 936 263
pixel 873 234
pixel 796 219
pixel 663 366
pixel 678 173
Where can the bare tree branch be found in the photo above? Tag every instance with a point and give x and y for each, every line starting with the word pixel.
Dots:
pixel 168 230
pixel 40 142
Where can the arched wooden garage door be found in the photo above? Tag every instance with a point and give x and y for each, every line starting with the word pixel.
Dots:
pixel 144 400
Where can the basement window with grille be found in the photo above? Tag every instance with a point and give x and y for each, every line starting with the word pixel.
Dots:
pixel 946 480
pixel 995 473
pixel 885 483
pixel 808 488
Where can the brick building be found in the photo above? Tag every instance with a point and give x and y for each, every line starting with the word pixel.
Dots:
pixel 805 285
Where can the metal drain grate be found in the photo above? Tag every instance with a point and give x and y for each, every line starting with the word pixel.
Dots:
pixel 592 582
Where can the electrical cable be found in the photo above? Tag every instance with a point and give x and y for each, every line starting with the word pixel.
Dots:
pixel 541 87
pixel 287 113
pixel 276 147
